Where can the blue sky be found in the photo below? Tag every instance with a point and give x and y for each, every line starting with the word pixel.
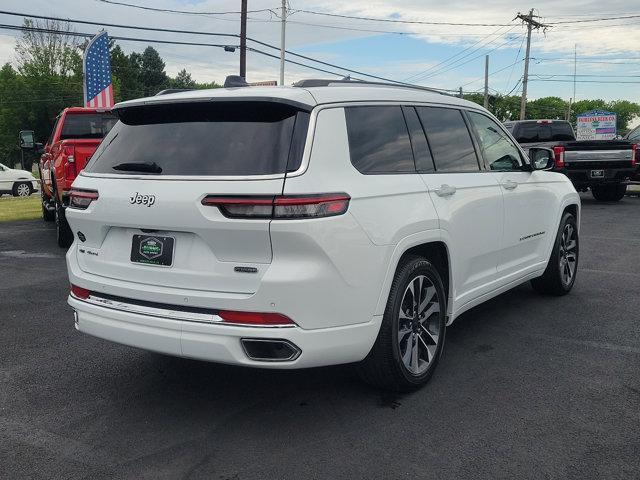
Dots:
pixel 611 46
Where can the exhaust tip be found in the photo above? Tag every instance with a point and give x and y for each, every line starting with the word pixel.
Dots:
pixel 270 350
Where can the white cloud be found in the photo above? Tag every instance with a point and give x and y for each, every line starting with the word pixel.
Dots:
pixel 207 63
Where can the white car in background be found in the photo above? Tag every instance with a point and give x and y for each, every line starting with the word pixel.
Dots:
pixel 319 224
pixel 18 183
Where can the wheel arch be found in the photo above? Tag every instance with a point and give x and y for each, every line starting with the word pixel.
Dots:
pixel 430 245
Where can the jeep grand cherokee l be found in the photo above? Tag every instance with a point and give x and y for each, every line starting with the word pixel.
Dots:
pixel 324 223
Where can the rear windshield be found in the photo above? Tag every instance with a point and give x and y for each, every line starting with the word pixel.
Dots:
pixel 87 125
pixel 202 139
pixel 543 132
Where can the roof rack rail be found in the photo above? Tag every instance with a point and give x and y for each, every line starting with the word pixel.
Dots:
pixel 320 82
pixel 167 91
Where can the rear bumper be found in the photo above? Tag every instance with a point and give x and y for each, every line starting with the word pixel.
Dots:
pixel 222 343
pixel 581 177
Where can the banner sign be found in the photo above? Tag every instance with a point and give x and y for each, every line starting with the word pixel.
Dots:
pixel 596 125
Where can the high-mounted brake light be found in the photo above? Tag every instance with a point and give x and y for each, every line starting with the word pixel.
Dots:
pixel 285 207
pixel 81 199
pixel 634 154
pixel 254 318
pixel 558 156
pixel 79 292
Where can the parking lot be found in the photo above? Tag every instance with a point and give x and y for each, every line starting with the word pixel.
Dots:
pixel 529 387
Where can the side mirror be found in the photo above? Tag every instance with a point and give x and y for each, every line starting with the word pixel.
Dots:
pixel 541 158
pixel 27 140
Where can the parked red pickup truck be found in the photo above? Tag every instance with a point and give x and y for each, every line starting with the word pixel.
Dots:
pixel 76 135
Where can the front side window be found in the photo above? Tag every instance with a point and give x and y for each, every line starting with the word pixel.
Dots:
pixel 379 140
pixel 449 138
pixel 498 150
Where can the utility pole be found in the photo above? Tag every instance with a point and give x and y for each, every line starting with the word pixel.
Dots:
pixel 243 39
pixel 486 81
pixel 531 24
pixel 283 29
pixel 460 94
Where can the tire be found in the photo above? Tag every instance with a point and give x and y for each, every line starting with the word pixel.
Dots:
pixel 63 230
pixel 47 215
pixel 22 189
pixel 393 362
pixel 560 274
pixel 609 193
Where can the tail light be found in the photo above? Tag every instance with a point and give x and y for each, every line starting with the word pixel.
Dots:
pixel 81 199
pixel 558 156
pixel 288 207
pixel 634 154
pixel 69 154
pixel 79 292
pixel 252 318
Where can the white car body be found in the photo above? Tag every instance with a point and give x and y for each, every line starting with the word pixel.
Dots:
pixel 331 276
pixel 11 176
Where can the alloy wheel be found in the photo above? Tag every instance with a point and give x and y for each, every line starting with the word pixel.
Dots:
pixel 419 325
pixel 568 254
pixel 23 190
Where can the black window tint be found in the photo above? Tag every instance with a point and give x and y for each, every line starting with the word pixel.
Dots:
pixel 208 138
pixel 421 152
pixel 87 125
pixel 498 150
pixel 379 140
pixel 634 135
pixel 530 132
pixel 449 139
pixel 561 132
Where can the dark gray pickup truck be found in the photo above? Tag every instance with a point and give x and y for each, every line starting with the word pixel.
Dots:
pixel 604 166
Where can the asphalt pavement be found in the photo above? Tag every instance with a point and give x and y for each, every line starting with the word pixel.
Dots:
pixel 529 387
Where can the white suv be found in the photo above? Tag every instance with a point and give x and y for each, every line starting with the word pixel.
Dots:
pixel 323 223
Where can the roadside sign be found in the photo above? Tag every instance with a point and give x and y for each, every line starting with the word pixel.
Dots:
pixel 596 125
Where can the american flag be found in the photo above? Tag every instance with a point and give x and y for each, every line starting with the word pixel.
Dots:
pixel 98 88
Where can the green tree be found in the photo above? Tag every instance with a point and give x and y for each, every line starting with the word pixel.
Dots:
pixel 126 72
pixel 183 80
pixel 152 72
pixel 553 108
pixel 47 53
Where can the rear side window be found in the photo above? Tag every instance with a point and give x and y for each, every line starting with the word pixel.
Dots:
pixel 379 140
pixel 204 139
pixel 449 138
pixel 87 125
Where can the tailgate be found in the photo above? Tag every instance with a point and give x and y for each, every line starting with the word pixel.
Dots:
pixel 598 151
pixel 207 246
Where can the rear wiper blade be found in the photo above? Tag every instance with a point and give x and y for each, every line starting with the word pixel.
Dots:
pixel 144 167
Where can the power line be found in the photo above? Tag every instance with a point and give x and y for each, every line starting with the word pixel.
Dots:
pixel 589 20
pixel 183 12
pixel 446 60
pixel 493 73
pixel 410 22
pixel 583 81
pixel 455 65
pixel 156 29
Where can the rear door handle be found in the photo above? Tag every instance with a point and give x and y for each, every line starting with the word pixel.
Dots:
pixel 445 190
pixel 510 185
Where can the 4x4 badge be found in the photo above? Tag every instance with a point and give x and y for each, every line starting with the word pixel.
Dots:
pixel 147 200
